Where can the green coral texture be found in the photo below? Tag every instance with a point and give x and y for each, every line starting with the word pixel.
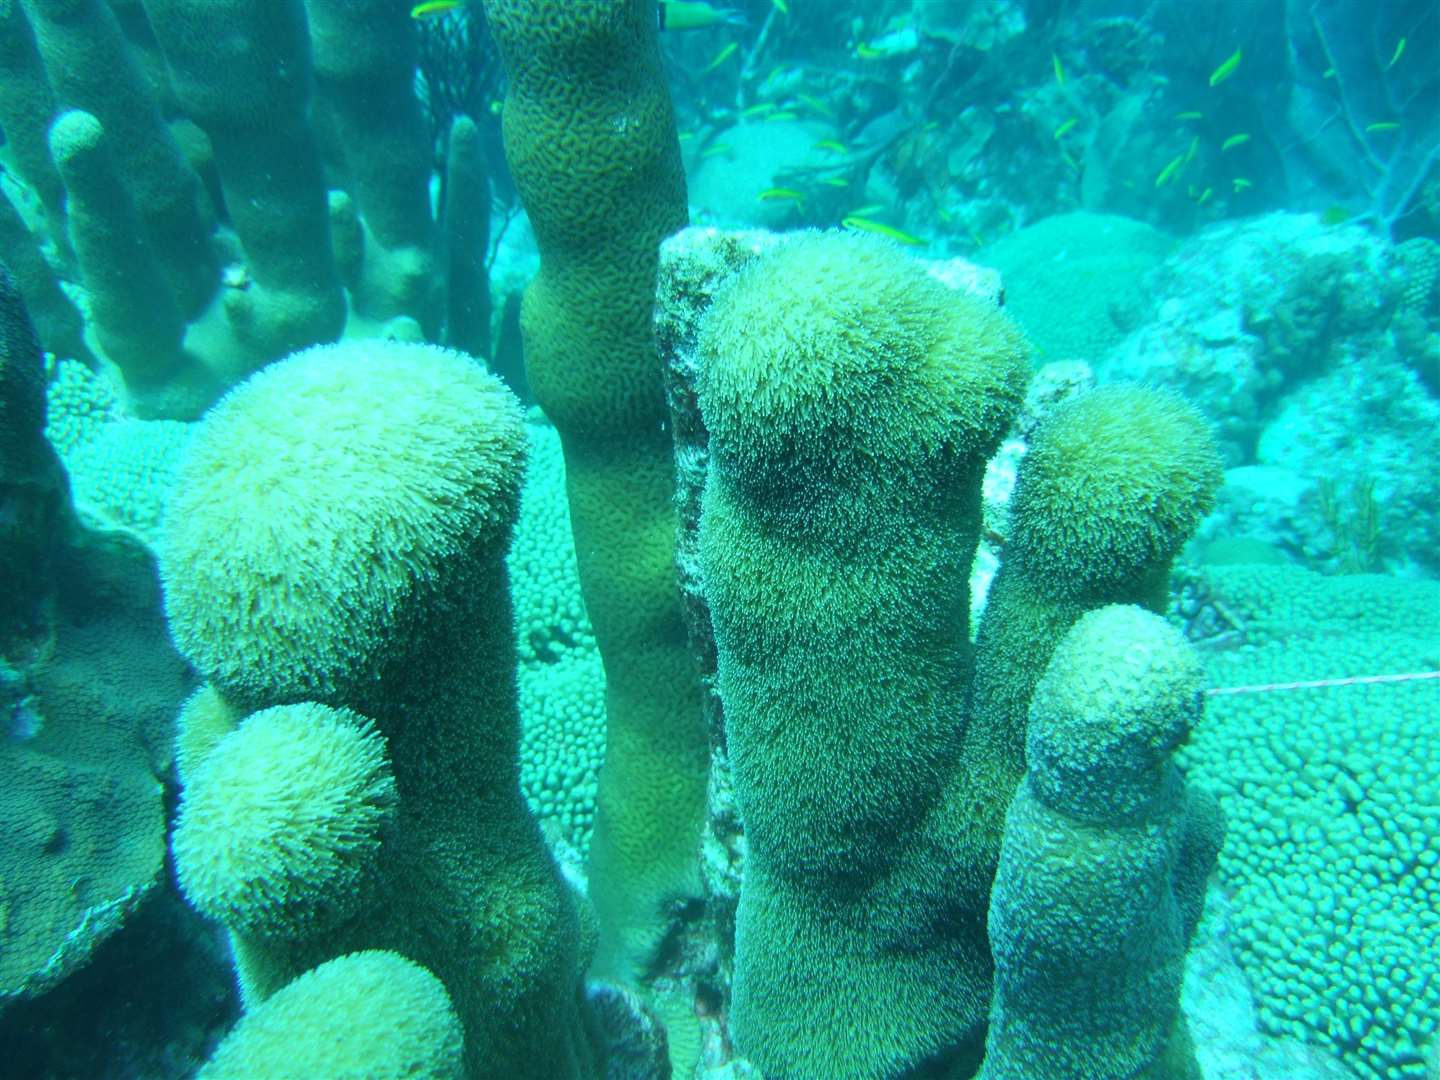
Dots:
pixel 561 680
pixel 852 401
pixel 1333 797
pixel 1103 866
pixel 363 1016
pixel 351 508
pixel 601 193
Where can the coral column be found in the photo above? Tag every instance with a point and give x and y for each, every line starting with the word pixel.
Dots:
pixel 852 401
pixel 591 141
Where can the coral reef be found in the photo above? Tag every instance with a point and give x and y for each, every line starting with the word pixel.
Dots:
pixel 1077 282
pixel 851 402
pixel 1306 342
pixel 819 720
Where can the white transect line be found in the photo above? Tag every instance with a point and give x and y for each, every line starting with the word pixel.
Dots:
pixel 1356 680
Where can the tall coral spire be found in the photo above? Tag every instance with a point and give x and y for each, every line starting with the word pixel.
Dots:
pixel 591 141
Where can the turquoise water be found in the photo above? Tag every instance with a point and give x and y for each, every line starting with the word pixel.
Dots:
pixel 788 539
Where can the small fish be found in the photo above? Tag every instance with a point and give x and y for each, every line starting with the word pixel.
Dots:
pixel 720 57
pixel 1067 127
pixel 881 229
pixel 866 210
pixel 1335 215
pixel 835 181
pixel 716 150
pixel 1383 125
pixel 1329 73
pixel 813 102
pixel 753 111
pixel 1399 52
pixel 1059 69
pixel 431 8
pixel 1241 184
pixel 1065 156
pixel 687 15
pixel 1205 196
pixel 780 194
pixel 1225 70
pixel 833 145
pixel 685 136
pixel 1170 170
pixel 781 6
pixel 867 52
pixel 1191 149
pixel 1235 140
pixel 782 116
pixel 1190 116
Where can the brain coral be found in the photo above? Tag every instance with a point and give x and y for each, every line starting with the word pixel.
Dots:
pixel 1075 281
pixel 364 1016
pixel 1333 799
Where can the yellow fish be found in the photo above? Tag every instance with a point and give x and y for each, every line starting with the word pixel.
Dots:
pixel 720 57
pixel 716 150
pixel 777 194
pixel 1169 170
pixel 1225 70
pixel 815 103
pixel 833 145
pixel 1399 52
pixel 757 110
pixel 1383 125
pixel 781 6
pixel 1234 141
pixel 431 8
pixel 1189 116
pixel 1065 128
pixel 881 229
pixel 1059 69
pixel 1241 184
pixel 835 181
